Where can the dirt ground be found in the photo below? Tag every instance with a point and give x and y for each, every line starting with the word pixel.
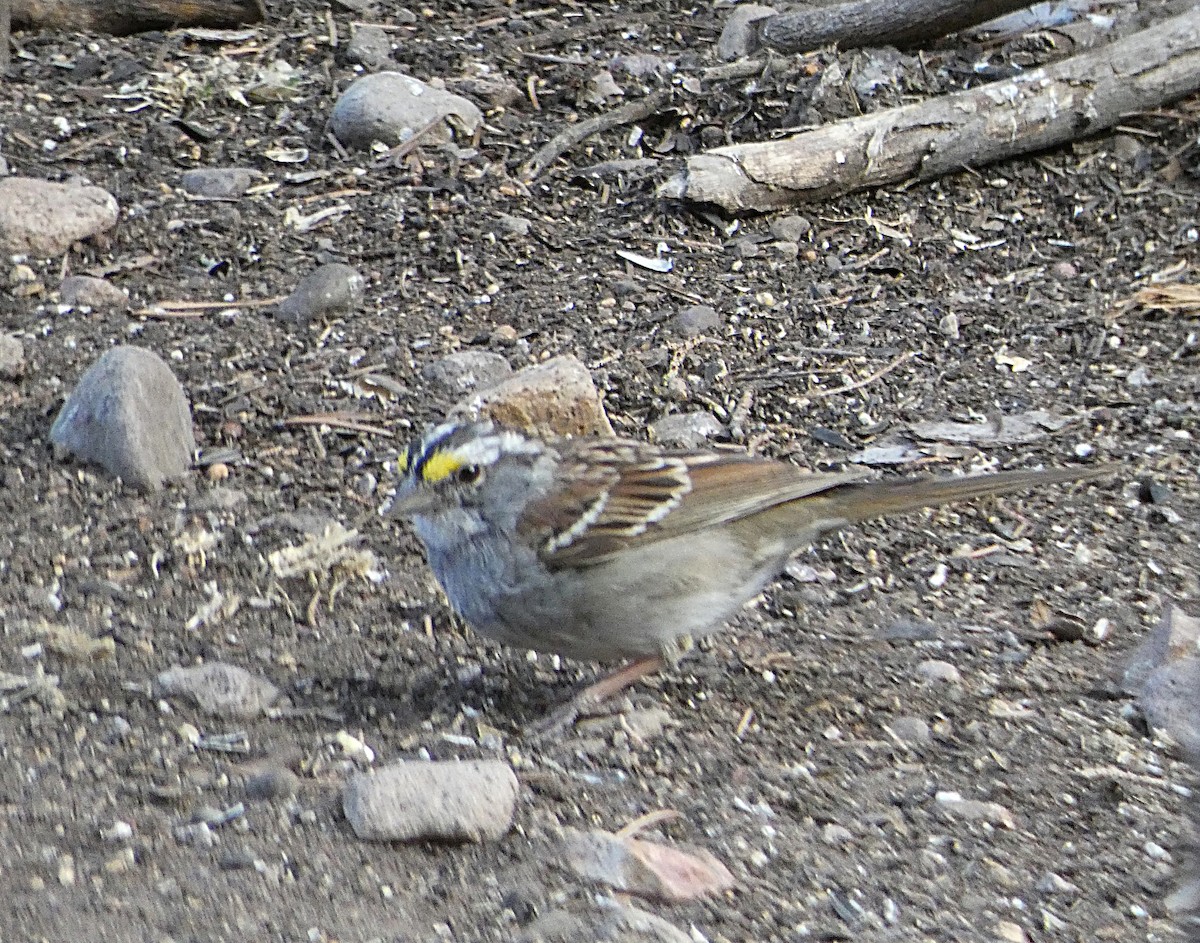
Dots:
pixel 1005 284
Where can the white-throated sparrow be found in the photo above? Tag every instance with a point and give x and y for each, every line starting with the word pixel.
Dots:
pixel 603 549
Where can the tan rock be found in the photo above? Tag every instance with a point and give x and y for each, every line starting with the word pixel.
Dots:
pixel 556 397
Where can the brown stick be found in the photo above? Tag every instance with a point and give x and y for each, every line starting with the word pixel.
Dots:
pixel 120 18
pixel 871 23
pixel 1040 109
pixel 577 133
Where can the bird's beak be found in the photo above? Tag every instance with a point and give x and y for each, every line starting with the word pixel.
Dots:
pixel 410 502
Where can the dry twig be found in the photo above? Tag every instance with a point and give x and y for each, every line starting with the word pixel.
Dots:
pixel 577 133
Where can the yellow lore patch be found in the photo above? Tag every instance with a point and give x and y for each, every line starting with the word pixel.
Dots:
pixel 440 466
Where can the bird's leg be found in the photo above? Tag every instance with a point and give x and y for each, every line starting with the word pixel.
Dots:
pixel 617 681
pixel 613 683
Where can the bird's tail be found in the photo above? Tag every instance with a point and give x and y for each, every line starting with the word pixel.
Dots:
pixel 850 503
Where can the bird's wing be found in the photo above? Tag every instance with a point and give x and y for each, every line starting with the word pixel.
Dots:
pixel 618 495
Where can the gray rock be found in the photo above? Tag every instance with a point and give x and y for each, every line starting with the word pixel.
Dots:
pixel 645 868
pixel 740 37
pixel 275 782
pixel 790 228
pixel 86 291
pixel 329 291
pixel 517 225
pixel 685 430
pixel 217 183
pixel 220 689
pixel 912 731
pixel 129 415
pixel 1054 883
pixel 42 219
pixel 975 810
pixel 943 671
pixel 417 800
pixel 696 320
pixel 601 87
pixel 465 370
pixel 1164 673
pixel 391 107
pixel 556 397
pixel 370 46
pixel 836 835
pixel 643 64
pixel 12 357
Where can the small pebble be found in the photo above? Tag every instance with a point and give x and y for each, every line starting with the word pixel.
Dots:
pixel 696 320
pixel 1010 932
pixel 466 370
pixel 647 869
pixel 934 670
pixel 555 397
pixel 469 801
pixel 277 782
pixel 739 36
pixel 1052 883
pixel 236 859
pixel 390 107
pixel 516 225
pixel 42 219
pixel 12 357
pixel 217 183
pixel 85 291
pixel 974 809
pixel 220 689
pixel 369 46
pixel 685 430
pixel 790 228
pixel 329 291
pixel 912 731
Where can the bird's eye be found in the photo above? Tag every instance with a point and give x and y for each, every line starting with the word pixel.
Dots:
pixel 469 474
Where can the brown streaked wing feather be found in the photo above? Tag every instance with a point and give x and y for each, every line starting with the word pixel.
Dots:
pixel 651 497
pixel 737 486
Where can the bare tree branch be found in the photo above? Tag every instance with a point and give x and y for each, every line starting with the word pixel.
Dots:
pixel 120 18
pixel 871 23
pixel 1043 108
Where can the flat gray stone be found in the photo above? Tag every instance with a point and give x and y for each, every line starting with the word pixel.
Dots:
pixel 129 415
pixel 86 291
pixel 695 320
pixel 685 430
pixel 391 107
pixel 790 228
pixel 370 46
pixel 465 370
pixel 645 868
pixel 418 800
pixel 41 219
pixel 220 689
pixel 939 671
pixel 331 290
pixel 1164 672
pixel 909 730
pixel 740 37
pixel 217 183
pixel 12 357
